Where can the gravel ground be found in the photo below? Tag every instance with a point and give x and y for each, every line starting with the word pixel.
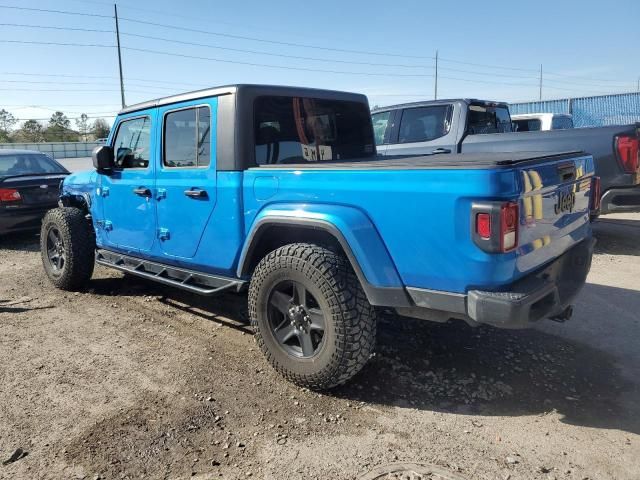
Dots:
pixel 132 380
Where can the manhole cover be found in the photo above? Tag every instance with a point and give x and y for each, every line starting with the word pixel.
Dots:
pixel 410 471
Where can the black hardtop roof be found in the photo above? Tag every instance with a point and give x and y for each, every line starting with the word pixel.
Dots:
pixel 424 103
pixel 254 89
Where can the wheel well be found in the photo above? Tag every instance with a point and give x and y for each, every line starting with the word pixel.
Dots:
pixel 77 201
pixel 271 237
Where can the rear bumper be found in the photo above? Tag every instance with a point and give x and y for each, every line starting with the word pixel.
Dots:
pixel 621 200
pixel 543 294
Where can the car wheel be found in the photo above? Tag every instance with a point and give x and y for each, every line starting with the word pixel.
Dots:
pixel 67 247
pixel 310 315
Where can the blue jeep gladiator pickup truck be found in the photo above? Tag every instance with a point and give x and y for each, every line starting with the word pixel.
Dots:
pixel 279 190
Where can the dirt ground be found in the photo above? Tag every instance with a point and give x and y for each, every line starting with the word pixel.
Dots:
pixel 133 380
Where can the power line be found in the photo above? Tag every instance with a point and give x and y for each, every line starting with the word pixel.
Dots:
pixel 284 67
pixel 300 57
pixel 102 77
pixel 47 119
pixel 275 42
pixel 62 44
pixel 63 12
pixel 49 27
pixel 262 52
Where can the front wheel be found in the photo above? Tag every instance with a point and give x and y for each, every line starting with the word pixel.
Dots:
pixel 311 317
pixel 67 247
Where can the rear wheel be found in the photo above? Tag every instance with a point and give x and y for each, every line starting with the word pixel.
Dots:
pixel 310 315
pixel 67 246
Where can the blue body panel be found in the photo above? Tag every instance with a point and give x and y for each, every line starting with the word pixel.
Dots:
pixel 405 227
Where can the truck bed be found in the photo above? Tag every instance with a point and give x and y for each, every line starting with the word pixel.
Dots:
pixel 479 160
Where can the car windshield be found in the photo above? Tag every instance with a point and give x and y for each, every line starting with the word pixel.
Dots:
pixel 299 130
pixel 26 164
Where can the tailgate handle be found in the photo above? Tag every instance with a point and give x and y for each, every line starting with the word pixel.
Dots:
pixel 567 171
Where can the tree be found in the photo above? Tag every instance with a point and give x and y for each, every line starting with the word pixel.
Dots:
pixel 7 121
pixel 83 125
pixel 59 128
pixel 31 131
pixel 100 128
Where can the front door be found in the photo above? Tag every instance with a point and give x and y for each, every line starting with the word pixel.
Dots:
pixel 186 176
pixel 127 192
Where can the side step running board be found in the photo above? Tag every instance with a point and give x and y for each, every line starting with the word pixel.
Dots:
pixel 197 282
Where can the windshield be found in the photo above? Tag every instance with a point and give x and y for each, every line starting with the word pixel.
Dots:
pixel 28 163
pixel 488 119
pixel 298 130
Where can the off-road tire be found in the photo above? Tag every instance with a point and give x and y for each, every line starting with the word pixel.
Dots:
pixel 79 245
pixel 349 336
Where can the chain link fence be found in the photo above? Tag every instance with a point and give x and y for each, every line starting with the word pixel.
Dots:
pixel 55 150
pixel 619 109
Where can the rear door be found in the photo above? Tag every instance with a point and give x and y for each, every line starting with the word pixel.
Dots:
pixel 423 131
pixel 186 178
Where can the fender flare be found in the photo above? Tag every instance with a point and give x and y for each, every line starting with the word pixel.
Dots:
pixel 355 233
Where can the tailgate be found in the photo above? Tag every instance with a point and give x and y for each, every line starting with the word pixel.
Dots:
pixel 554 208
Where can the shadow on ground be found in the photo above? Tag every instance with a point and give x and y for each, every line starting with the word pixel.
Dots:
pixel 20 242
pixel 453 367
pixel 617 236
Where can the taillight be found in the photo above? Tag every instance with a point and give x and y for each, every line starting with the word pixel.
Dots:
pixel 9 195
pixel 495 226
pixel 508 226
pixel 596 194
pixel 628 154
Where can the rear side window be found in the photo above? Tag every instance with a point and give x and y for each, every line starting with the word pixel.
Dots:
pixel 26 164
pixel 423 124
pixel 187 138
pixel 561 123
pixel 488 119
pixel 530 125
pixel 380 124
pixel 132 143
pixel 298 130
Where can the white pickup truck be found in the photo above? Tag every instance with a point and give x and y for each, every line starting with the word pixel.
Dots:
pixel 529 122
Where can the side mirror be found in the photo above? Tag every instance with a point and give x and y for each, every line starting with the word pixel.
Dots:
pixel 102 158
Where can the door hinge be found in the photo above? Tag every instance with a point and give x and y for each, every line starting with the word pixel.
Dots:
pixel 162 193
pixel 163 234
pixel 105 192
pixel 108 226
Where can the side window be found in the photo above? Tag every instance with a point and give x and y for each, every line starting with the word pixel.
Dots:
pixel 561 123
pixel 380 123
pixel 132 143
pixel 527 125
pixel 483 119
pixel 187 138
pixel 423 124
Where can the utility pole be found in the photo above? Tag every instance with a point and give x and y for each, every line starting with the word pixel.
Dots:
pixel 638 86
pixel 540 81
pixel 435 91
pixel 115 8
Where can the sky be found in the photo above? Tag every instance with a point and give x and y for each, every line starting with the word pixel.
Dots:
pixel 491 50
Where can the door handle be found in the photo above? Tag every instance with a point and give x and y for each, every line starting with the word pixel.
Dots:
pixel 441 150
pixel 196 193
pixel 142 191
